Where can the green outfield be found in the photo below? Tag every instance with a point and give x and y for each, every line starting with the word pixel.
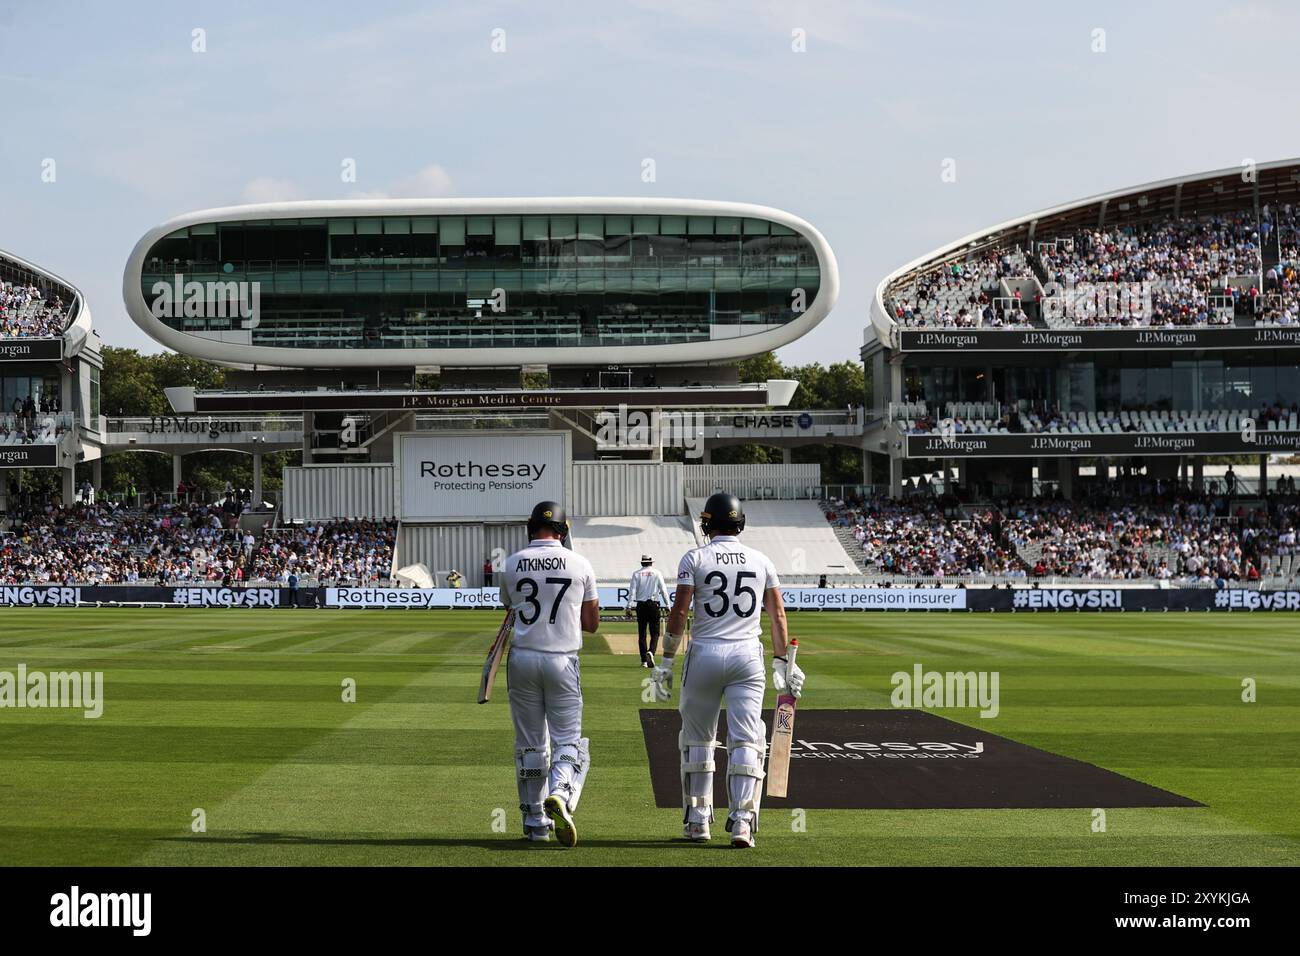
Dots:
pixel 239 713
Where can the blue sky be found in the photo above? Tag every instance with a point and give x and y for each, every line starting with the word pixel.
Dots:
pixel 850 134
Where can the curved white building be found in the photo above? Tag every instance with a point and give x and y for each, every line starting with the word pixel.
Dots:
pixel 50 367
pixel 480 282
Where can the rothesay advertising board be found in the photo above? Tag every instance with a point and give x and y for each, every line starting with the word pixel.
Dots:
pixel 459 476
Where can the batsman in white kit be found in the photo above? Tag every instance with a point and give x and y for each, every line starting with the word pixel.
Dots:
pixel 729 584
pixel 552 591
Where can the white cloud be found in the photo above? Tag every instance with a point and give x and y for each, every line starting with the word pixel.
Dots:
pixel 429 182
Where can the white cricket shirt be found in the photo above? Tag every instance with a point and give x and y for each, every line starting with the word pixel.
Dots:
pixel 729 580
pixel 546 584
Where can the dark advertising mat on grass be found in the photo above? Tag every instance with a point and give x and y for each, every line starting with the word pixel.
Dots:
pixel 907 760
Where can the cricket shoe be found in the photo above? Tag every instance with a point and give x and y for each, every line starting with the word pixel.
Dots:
pixel 537 834
pixel 696 832
pixel 742 835
pixel 558 810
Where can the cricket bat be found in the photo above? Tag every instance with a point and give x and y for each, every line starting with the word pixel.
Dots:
pixel 778 760
pixel 495 653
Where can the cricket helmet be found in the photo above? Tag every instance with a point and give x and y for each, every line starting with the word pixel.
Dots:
pixel 722 514
pixel 549 514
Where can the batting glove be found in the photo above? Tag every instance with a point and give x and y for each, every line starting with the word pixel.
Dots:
pixel 783 676
pixel 661 675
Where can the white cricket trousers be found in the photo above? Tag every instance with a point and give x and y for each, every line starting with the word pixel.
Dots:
pixel 715 671
pixel 545 691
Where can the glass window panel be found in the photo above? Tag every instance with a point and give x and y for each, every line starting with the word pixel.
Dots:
pixel 1264 384
pixel 591 227
pixel 756 227
pixel 535 228
pixel 700 225
pixel 1237 392
pixel 1288 383
pixel 1132 388
pixel 426 225
pixel 1185 385
pixel 1211 376
pixel 672 225
pixel 1159 388
pixel 210 228
pixel 451 230
pixel 479 226
pixel 645 225
pixel 369 227
pixel 619 225
pixel 780 230
pixel 564 227
pixel 727 226
pixel 342 227
pixel 507 230
pixel 397 227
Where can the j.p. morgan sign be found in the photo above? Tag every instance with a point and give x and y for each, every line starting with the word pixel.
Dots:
pixel 29 456
pixel 1068 444
pixel 31 350
pixel 1094 340
pixel 213 428
pixel 460 476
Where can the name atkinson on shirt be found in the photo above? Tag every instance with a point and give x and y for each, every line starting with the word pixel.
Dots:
pixel 541 564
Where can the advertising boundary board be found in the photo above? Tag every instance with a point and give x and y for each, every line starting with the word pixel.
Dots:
pixel 524 501
pixel 29 456
pixel 922 600
pixel 1103 444
pixel 1095 339
pixel 31 350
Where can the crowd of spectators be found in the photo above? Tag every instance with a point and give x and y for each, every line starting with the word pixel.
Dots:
pixel 1042 418
pixel 1187 539
pixel 1280 304
pixel 186 543
pixel 1183 263
pixel 920 538
pixel 1166 273
pixel 1161 531
pixel 965 294
pixel 25 313
pixel 33 421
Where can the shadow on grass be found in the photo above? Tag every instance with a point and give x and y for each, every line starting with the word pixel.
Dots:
pixel 503 843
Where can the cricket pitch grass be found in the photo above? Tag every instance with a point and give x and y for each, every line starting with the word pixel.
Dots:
pixel 237 720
